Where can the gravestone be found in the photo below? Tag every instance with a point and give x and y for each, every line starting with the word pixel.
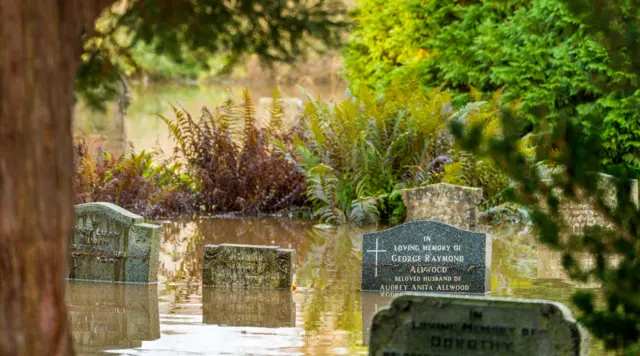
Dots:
pixel 426 256
pixel 447 203
pixel 420 325
pixel 112 244
pixel 112 316
pixel 245 307
pixel 579 215
pixel 248 266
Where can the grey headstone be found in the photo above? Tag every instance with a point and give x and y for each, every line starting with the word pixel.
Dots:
pixel 248 266
pixel 245 307
pixel 579 215
pixel 112 316
pixel 426 256
pixel 447 203
pixel 112 244
pixel 450 325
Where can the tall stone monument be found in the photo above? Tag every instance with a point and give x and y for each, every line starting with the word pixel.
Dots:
pixel 447 203
pixel 114 245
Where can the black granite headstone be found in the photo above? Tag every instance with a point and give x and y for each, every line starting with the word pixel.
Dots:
pixel 426 256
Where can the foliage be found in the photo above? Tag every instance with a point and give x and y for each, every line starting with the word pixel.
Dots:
pixel 359 154
pixel 540 52
pixel 236 165
pixel 132 181
pixel 580 157
pixel 184 35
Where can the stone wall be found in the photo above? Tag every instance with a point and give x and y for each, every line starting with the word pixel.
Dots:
pixel 447 203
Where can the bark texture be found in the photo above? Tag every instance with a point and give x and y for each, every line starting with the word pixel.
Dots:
pixel 40 47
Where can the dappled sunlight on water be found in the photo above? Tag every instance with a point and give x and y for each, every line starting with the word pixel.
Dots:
pixel 325 315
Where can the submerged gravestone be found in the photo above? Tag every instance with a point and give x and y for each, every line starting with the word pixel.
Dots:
pixel 420 325
pixel 113 244
pixel 248 308
pixel 426 256
pixel 579 215
pixel 112 316
pixel 248 266
pixel 447 203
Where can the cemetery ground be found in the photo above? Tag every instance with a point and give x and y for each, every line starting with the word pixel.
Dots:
pixel 326 314
pixel 327 299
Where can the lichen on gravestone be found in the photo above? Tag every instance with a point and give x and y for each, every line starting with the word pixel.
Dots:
pixel 113 244
pixel 447 203
pixel 478 326
pixel 248 266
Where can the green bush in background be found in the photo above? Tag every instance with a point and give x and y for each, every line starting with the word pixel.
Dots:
pixel 360 153
pixel 543 55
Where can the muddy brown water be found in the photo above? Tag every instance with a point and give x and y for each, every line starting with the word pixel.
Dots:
pixel 325 315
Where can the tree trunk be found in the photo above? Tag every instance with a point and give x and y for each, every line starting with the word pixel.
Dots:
pixel 40 44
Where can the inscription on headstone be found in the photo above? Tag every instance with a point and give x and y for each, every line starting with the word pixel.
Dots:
pixel 426 256
pixel 113 244
pixel 447 203
pixel 244 307
pixel 248 266
pixel 421 325
pixel 579 215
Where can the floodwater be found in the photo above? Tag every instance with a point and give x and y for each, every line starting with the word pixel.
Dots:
pixel 326 314
pixel 144 130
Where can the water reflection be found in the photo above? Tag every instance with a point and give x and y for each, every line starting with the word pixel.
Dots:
pixel 325 315
pixel 112 316
pixel 238 307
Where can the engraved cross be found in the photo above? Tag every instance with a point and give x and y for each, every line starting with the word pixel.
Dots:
pixel 376 252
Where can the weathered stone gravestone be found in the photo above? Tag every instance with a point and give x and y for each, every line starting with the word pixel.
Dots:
pixel 426 256
pixel 448 325
pixel 248 266
pixel 579 215
pixel 245 307
pixel 112 316
pixel 113 244
pixel 447 203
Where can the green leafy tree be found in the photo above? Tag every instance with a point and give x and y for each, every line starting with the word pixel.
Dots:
pixel 577 160
pixel 539 51
pixel 183 36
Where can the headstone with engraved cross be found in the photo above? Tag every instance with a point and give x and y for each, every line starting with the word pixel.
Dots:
pixel 112 244
pixel 426 256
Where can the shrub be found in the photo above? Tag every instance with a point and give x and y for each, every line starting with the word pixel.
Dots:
pixel 236 165
pixel 359 154
pixel 542 54
pixel 132 181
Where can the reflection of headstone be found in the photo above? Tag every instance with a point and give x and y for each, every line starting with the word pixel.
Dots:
pixel 426 256
pixel 448 325
pixel 579 215
pixel 113 244
pixel 371 303
pixel 243 307
pixel 112 316
pixel 248 266
pixel 450 204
